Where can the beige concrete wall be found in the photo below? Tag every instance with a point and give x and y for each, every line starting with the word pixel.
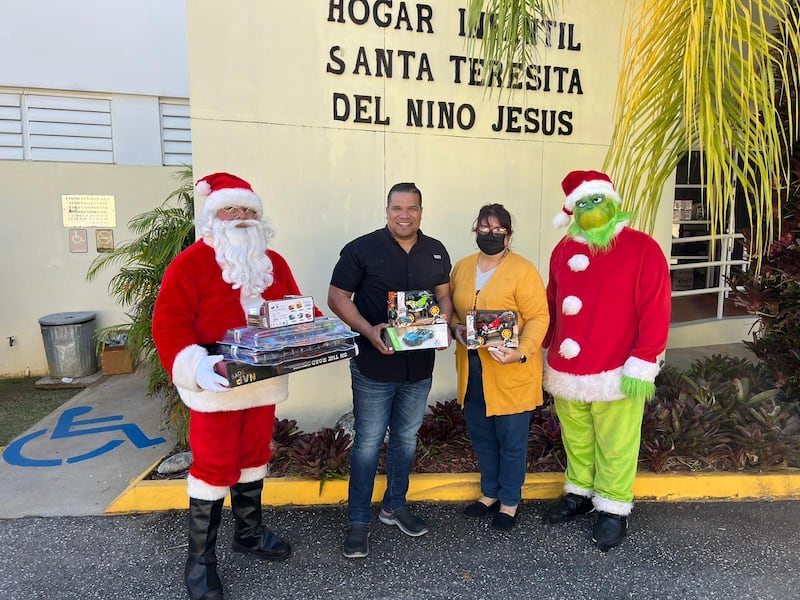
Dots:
pixel 263 107
pixel 39 274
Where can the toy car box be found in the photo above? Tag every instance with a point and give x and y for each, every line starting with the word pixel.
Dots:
pixel 492 328
pixel 415 321
pixel 291 310
pixel 241 373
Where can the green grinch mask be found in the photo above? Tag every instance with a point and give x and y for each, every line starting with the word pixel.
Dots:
pixel 594 211
pixel 596 220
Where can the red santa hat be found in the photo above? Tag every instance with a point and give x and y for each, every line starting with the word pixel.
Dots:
pixel 579 184
pixel 219 190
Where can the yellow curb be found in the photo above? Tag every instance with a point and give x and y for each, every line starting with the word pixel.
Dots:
pixel 159 495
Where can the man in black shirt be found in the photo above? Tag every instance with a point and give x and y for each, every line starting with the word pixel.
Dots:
pixel 389 390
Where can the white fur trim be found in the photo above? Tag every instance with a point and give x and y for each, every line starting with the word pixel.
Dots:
pixel 614 507
pixel 571 305
pixel 184 368
pixel 599 387
pixel 578 263
pixel 561 220
pixel 201 490
pixel 590 188
pixel 252 474
pixel 569 348
pixel 571 488
pixel 260 393
pixel 640 369
pixel 202 189
pixel 232 197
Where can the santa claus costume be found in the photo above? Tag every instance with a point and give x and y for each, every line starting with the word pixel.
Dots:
pixel 205 291
pixel 609 322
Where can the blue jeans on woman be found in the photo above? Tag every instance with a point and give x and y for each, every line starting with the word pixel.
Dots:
pixel 500 442
pixel 376 406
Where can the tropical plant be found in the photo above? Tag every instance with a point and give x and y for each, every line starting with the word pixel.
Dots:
pixel 702 75
pixel 773 295
pixel 695 75
pixel 162 233
pixel 322 455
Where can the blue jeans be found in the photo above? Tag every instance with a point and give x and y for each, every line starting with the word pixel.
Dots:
pixel 376 406
pixel 500 442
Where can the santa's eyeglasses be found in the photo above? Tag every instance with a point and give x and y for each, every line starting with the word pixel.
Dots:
pixel 233 211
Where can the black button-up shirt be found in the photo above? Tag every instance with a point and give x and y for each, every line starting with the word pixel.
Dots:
pixel 373 265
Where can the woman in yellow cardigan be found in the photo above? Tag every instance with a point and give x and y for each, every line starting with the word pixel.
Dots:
pixel 499 388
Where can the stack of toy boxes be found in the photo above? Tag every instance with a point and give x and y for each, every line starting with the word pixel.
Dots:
pixel 282 337
pixel 415 322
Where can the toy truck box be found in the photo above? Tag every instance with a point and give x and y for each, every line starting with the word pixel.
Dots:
pixel 291 310
pixel 415 321
pixel 240 373
pixel 492 328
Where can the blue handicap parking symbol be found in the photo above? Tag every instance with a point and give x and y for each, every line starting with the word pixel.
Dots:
pixel 68 425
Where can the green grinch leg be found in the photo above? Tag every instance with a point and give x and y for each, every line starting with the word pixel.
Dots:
pixel 578 435
pixel 618 433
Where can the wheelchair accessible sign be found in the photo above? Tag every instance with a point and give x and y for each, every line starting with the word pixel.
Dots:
pixel 70 425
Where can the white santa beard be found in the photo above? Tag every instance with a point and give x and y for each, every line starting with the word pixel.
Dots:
pixel 241 254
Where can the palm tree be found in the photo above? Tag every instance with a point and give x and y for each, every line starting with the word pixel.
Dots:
pixel 162 234
pixel 697 75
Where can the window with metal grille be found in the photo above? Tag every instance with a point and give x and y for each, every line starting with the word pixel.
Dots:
pixel 176 133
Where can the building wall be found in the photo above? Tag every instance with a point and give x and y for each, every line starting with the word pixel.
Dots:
pixel 132 54
pixel 279 119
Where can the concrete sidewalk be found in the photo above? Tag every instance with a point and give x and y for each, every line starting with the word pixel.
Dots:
pixel 78 459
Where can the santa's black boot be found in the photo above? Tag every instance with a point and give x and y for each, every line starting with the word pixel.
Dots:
pixel 202 581
pixel 250 536
pixel 609 530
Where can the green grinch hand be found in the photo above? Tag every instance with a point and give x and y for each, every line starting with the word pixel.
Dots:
pixel 637 389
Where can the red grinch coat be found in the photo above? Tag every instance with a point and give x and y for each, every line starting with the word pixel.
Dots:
pixel 609 316
pixel 196 306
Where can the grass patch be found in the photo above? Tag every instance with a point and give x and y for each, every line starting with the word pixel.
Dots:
pixel 22 405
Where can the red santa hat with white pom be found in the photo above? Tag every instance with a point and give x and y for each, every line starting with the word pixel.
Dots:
pixel 579 184
pixel 219 190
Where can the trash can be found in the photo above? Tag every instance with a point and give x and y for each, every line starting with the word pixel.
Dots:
pixel 69 343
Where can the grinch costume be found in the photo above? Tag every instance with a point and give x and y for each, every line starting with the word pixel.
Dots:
pixel 609 299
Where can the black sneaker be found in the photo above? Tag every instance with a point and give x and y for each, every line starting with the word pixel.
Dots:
pixel 567 508
pixel 356 542
pixel 609 530
pixel 407 522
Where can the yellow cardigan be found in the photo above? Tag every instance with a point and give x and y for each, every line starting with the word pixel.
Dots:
pixel 515 285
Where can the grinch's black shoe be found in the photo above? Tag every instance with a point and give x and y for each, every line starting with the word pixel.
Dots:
pixel 567 508
pixel 609 530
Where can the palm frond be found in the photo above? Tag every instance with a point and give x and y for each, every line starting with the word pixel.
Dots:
pixel 510 31
pixel 705 76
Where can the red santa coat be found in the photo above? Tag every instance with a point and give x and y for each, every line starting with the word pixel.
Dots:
pixel 609 316
pixel 196 306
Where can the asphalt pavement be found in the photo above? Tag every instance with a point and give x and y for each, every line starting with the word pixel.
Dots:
pixel 674 551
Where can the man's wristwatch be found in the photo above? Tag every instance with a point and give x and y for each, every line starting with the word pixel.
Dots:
pixel 522 358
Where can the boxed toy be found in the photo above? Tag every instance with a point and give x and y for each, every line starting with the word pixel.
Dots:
pixel 492 328
pixel 290 310
pixel 415 321
pixel 241 373
pixel 416 337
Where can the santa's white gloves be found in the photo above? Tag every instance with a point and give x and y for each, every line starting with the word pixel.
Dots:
pixel 207 378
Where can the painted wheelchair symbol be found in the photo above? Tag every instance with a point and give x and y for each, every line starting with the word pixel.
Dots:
pixel 69 426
